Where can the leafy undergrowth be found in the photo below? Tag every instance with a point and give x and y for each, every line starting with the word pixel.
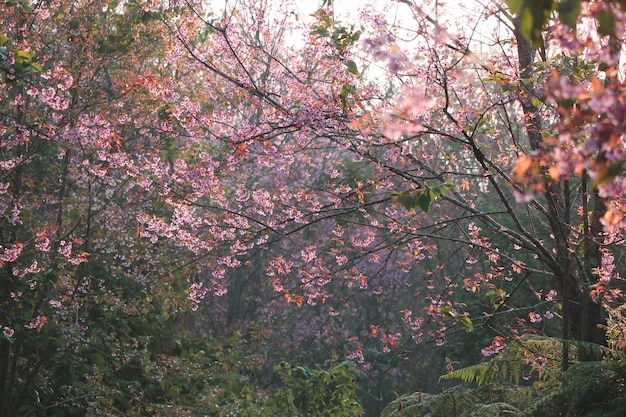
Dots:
pixel 512 385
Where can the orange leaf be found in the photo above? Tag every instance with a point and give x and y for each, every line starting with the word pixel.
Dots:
pixel 523 164
pixel 554 173
pixel 596 84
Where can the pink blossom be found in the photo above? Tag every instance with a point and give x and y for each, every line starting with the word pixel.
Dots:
pixel 364 241
pixel 338 231
pixel 37 323
pixel 47 95
pixel 11 254
pixel 42 243
pixel 550 296
pixel 8 332
pixel 356 355
pixel 308 254
pixel 534 317
pixel 18 100
pixel 264 204
pixel 496 346
pixel 219 273
pixel 341 260
pixel 43 12
pixel 606 271
pixel 66 82
pixel 196 294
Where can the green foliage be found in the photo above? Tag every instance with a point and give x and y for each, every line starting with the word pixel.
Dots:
pixel 407 406
pixel 317 392
pixel 421 198
pixel 489 400
pixel 500 367
pixel 518 359
pixel 606 23
pixel 493 409
pixel 586 389
pixel 451 314
pixel 23 62
pixel 568 12
pixel 341 37
pixel 352 67
pixel 533 15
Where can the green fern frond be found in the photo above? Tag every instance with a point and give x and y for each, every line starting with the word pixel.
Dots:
pixel 610 410
pixel 510 363
pixel 481 373
pixel 406 406
pixel 542 343
pixel 503 366
pixel 589 389
pixel 497 409
pixel 555 344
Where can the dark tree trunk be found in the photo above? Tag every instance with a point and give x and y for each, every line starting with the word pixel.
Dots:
pixel 581 315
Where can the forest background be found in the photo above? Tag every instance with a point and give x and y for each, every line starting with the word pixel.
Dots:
pixel 247 210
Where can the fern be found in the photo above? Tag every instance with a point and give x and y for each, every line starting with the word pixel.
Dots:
pixel 497 409
pixel 482 373
pixel 616 331
pixel 406 406
pixel 611 410
pixel 553 343
pixel 588 385
pixel 589 389
pixel 448 403
pixel 510 364
pixel 586 389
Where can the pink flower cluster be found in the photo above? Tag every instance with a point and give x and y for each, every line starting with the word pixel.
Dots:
pixel 497 346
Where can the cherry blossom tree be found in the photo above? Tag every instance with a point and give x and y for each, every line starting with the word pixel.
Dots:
pixel 86 140
pixel 358 177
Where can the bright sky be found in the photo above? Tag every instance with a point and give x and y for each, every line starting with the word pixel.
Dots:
pixel 451 14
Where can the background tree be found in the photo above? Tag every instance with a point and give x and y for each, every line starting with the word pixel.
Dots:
pixel 86 304
pixel 451 149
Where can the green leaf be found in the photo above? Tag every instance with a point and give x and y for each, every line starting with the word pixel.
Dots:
pixel 22 56
pixel 606 23
pixel 533 15
pixel 346 90
pixel 536 102
pixel 423 201
pixel 568 12
pixel 515 6
pixel 467 322
pixel 36 66
pixel 320 31
pixel 3 39
pixel 352 68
